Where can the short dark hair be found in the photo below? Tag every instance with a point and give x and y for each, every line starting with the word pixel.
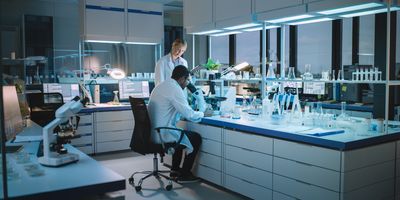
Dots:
pixel 179 72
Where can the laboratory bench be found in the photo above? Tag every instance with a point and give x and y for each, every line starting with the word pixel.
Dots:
pixel 27 179
pixel 104 128
pixel 262 160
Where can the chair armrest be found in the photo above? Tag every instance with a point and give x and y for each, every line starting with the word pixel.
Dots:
pixel 183 132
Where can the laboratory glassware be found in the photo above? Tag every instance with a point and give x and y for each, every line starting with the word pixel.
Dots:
pixel 291 74
pixel 307 74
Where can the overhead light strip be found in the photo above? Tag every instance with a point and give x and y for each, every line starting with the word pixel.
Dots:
pixel 370 12
pixel 311 21
pixel 242 26
pixel 103 41
pixel 226 33
pixel 207 32
pixel 286 19
pixel 350 8
pixel 260 28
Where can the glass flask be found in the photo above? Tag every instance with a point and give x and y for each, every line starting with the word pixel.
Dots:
pixel 307 74
pixel 116 99
pixel 291 74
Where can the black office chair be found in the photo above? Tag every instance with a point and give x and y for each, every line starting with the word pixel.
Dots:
pixel 141 142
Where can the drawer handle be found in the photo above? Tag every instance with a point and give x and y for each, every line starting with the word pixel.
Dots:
pixel 302 163
pixel 302 182
pixel 247 165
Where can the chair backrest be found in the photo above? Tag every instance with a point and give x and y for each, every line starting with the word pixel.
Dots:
pixel 141 136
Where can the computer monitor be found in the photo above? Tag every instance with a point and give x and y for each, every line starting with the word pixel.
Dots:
pixel 314 88
pixel 138 89
pixel 13 123
pixel 69 91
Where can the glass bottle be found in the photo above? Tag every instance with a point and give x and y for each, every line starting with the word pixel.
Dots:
pixel 291 74
pixel 307 74
pixel 116 99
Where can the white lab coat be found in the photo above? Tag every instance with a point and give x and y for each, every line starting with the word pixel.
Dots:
pixel 165 66
pixel 166 105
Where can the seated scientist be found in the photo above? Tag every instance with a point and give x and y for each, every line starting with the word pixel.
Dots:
pixel 166 105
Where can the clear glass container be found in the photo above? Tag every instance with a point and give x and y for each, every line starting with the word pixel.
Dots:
pixel 307 74
pixel 291 73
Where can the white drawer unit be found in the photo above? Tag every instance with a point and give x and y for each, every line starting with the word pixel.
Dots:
pixel 249 141
pixel 209 132
pixel 318 156
pixel 208 174
pixel 85 142
pixel 210 161
pixel 249 157
pixel 248 173
pixel 302 190
pixel 114 116
pixel 311 174
pixel 380 190
pixel 247 189
pixel 113 130
pixel 211 147
pixel 279 196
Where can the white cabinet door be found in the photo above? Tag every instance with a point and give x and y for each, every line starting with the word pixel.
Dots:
pixel 228 9
pixel 104 20
pixel 266 5
pixel 145 22
pixel 197 12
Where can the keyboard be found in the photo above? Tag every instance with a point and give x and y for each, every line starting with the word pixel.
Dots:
pixel 39 152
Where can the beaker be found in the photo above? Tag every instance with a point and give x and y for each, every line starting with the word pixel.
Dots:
pixel 291 74
pixel 307 74
pixel 116 99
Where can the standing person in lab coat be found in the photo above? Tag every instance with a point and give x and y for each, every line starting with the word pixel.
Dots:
pixel 167 103
pixel 167 63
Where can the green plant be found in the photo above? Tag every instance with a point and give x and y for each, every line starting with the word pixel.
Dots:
pixel 212 65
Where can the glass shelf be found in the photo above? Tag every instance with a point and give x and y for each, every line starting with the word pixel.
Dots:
pixel 326 81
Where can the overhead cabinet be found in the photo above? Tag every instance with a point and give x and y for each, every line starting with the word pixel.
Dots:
pixel 198 15
pixel 122 21
pixel 145 22
pixel 239 13
pixel 267 5
pixel 104 20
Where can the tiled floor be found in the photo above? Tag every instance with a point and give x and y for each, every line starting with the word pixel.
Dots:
pixel 125 163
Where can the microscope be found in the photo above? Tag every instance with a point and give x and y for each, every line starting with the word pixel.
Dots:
pixel 59 132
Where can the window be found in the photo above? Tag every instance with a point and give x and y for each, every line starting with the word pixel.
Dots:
pixel 248 48
pixel 347 41
pixel 314 46
pixel 367 35
pixel 220 49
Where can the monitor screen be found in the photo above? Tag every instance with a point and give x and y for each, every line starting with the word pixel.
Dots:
pixel 69 91
pixel 138 89
pixel 314 88
pixel 12 113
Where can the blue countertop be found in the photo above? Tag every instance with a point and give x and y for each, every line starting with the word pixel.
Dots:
pixel 342 141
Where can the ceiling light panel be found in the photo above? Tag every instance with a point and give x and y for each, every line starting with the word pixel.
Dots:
pixel 350 8
pixel 311 21
pixel 242 26
pixel 286 19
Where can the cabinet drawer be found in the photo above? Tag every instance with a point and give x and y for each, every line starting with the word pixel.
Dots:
pixel 84 129
pixel 356 159
pixel 250 158
pixel 113 136
pixel 370 175
pixel 114 116
pixel 397 188
pixel 112 146
pixel 248 173
pixel 302 190
pixel 398 167
pixel 380 190
pixel 249 141
pixel 318 156
pixel 84 139
pixel 87 149
pixel 247 189
pixel 398 149
pixel 209 132
pixel 308 173
pixel 113 126
pixel 211 161
pixel 208 174
pixel 85 119
pixel 211 146
pixel 280 196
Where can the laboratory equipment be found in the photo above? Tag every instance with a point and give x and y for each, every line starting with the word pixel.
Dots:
pixel 307 74
pixel 291 74
pixel 343 115
pixel 116 99
pixel 137 89
pixel 54 153
pixel 68 91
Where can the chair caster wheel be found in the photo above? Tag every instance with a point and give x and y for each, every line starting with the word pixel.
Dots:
pixel 168 187
pixel 138 188
pixel 130 180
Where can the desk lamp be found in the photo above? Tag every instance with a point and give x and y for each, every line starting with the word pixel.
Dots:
pixel 229 72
